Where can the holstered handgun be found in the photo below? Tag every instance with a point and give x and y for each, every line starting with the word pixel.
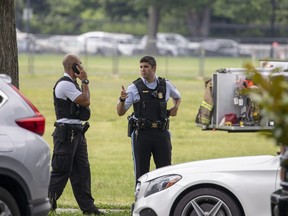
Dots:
pixel 131 125
pixel 165 124
pixel 85 127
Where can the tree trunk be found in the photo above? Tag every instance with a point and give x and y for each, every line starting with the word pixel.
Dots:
pixel 8 41
pixel 273 18
pixel 199 22
pixel 153 22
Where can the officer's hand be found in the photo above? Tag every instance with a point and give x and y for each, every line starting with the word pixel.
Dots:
pixel 173 111
pixel 123 93
pixel 82 75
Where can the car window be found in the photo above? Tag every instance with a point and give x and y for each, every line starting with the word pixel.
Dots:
pixel 171 40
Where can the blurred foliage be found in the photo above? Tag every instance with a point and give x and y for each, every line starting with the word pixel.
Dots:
pixel 74 17
pixel 272 95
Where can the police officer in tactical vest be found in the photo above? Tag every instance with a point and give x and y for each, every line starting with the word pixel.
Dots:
pixel 149 123
pixel 70 156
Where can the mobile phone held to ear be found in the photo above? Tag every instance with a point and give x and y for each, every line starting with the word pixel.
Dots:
pixel 74 68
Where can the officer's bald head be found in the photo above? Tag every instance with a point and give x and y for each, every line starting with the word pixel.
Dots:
pixel 70 59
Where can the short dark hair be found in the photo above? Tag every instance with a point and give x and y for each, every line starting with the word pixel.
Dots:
pixel 149 59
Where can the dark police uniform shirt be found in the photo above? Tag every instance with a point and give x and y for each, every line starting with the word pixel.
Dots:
pixel 133 94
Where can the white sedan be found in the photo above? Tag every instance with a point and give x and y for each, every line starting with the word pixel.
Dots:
pixel 240 186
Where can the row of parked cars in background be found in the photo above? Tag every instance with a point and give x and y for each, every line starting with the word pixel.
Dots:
pixel 110 44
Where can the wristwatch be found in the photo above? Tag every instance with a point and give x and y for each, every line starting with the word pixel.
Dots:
pixel 85 81
pixel 121 99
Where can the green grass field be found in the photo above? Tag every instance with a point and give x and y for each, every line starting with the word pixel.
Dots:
pixel 109 147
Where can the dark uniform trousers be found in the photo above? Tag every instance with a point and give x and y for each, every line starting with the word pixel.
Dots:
pixel 70 160
pixel 150 141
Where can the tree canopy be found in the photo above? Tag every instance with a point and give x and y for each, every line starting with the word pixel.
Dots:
pixel 190 18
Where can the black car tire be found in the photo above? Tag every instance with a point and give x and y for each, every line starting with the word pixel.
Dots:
pixel 204 200
pixel 8 205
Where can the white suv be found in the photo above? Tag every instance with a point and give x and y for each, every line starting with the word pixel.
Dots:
pixel 170 44
pixel 24 155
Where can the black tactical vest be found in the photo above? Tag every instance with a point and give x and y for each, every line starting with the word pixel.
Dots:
pixel 68 109
pixel 152 105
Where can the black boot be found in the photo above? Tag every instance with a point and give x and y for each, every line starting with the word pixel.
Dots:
pixel 53 202
pixel 94 211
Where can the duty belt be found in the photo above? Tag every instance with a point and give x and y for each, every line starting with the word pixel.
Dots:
pixel 75 127
pixel 148 124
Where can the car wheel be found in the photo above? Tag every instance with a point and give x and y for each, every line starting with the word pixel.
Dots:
pixel 8 205
pixel 208 202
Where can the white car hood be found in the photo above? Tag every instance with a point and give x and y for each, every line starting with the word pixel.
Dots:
pixel 265 162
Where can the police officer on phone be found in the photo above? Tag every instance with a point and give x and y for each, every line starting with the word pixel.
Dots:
pixel 70 156
pixel 148 125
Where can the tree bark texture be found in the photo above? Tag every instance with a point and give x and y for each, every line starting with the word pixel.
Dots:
pixel 8 41
pixel 198 22
pixel 153 22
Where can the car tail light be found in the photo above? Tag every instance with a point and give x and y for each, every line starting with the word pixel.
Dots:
pixel 34 123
